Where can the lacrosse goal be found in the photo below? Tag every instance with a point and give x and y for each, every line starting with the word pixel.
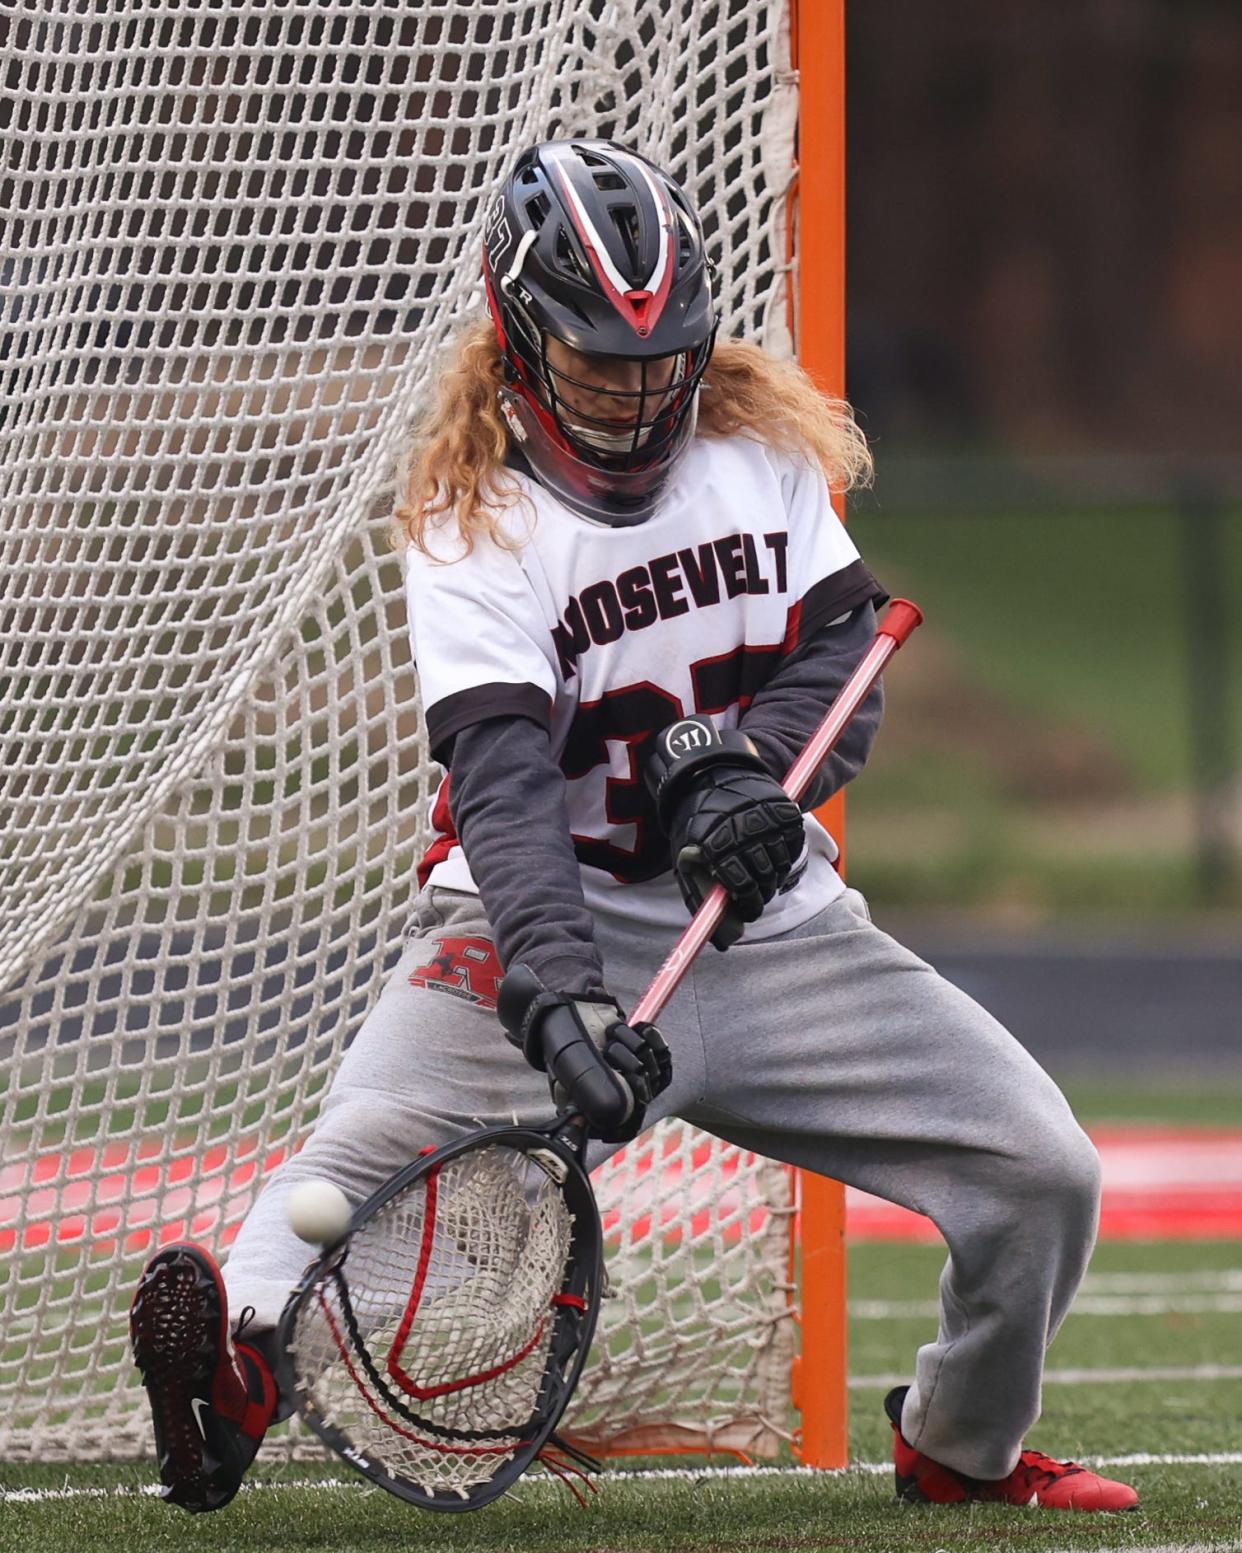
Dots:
pixel 242 237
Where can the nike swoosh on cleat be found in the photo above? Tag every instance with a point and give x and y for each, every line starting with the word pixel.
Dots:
pixel 195 1404
pixel 1034 1499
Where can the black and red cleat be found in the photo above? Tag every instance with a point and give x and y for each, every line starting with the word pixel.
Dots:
pixel 211 1398
pixel 1036 1480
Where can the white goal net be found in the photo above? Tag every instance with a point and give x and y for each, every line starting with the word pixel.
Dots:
pixel 237 237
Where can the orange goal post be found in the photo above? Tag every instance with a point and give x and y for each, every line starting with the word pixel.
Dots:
pixel 820 1381
pixel 238 241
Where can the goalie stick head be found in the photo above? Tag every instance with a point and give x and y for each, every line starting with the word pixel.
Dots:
pixel 593 248
pixel 436 1346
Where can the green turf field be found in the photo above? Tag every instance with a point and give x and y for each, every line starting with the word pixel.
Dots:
pixel 1187 1414
pixel 1160 1100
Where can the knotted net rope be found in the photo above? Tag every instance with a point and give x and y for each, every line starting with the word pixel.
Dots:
pixel 238 238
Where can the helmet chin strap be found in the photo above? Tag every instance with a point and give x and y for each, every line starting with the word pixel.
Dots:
pixel 614 443
pixel 620 443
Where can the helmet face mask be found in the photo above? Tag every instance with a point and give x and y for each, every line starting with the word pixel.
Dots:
pixel 600 291
pixel 598 415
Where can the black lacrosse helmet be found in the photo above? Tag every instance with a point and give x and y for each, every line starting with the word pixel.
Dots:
pixel 592 244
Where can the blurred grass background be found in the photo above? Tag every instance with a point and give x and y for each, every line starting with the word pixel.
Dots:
pixel 1038 752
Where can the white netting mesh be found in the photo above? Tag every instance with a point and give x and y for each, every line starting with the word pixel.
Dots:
pixel 236 239
pixel 428 1350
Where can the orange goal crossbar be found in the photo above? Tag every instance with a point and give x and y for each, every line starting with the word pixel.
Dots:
pixel 817 45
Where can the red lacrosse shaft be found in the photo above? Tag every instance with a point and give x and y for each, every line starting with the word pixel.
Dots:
pixel 900 619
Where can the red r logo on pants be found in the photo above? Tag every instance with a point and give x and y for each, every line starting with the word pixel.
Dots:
pixel 465 968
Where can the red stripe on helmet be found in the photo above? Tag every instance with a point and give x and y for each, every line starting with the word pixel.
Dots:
pixel 648 307
pixel 640 309
pixel 493 306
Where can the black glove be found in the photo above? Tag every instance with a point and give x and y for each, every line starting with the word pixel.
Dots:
pixel 728 821
pixel 596 1064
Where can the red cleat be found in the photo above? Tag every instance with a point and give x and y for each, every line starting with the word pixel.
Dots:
pixel 1036 1480
pixel 211 1401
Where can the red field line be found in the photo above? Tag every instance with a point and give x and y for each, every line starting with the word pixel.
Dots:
pixel 1159 1183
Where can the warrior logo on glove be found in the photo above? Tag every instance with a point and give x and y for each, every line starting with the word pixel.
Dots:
pixel 685 737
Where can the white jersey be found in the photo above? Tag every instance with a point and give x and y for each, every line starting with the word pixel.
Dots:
pixel 606 635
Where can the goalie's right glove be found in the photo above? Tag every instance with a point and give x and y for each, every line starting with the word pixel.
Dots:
pixel 727 819
pixel 596 1063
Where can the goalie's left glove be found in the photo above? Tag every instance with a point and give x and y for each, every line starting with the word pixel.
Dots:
pixel 596 1063
pixel 728 820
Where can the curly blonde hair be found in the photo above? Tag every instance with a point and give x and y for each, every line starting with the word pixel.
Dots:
pixel 455 463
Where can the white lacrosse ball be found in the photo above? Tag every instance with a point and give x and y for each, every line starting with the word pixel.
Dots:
pixel 318 1212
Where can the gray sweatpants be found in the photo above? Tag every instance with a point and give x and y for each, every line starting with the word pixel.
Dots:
pixel 831 1047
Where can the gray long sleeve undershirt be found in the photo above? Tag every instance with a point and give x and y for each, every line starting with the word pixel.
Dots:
pixel 507 799
pixel 508 803
pixel 789 708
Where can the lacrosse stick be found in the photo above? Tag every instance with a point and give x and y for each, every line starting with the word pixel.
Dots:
pixel 436 1345
pixel 900 619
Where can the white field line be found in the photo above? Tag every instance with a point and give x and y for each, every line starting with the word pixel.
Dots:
pixel 1164 1547
pixel 880 1468
pixel 657 1474
pixel 1084 1305
pixel 1218 1279
pixel 1170 1302
pixel 1079 1377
